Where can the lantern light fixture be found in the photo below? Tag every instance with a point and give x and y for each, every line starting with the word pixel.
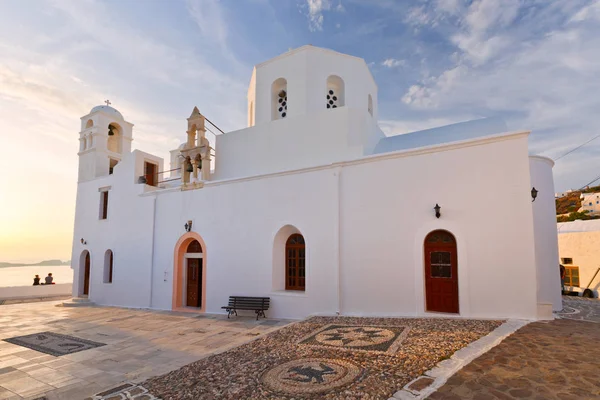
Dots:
pixel 188 226
pixel 534 194
pixel 437 209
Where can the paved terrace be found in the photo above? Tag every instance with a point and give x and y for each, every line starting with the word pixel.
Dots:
pixel 139 344
pixel 331 358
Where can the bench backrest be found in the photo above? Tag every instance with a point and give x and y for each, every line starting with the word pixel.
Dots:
pixel 259 303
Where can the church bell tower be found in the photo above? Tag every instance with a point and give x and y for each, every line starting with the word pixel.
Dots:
pixel 104 137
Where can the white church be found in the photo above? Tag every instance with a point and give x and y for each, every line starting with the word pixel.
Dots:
pixel 314 207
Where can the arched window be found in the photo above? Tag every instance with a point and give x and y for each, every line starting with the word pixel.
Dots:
pixel 279 99
pixel 108 266
pixel 295 263
pixel 370 105
pixel 89 124
pixel 335 92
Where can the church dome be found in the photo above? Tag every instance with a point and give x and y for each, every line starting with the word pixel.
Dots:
pixel 108 110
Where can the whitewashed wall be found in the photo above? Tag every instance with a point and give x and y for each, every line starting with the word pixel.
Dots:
pixel 364 222
pixel 546 240
pixel 387 211
pixel 23 292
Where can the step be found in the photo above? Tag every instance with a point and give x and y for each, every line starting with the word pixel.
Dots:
pixel 78 302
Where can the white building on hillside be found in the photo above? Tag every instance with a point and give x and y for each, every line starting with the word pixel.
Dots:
pixel 312 206
pixel 590 202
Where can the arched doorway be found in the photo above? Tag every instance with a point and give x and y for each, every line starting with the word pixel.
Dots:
pixel 441 272
pixel 189 273
pixel 84 273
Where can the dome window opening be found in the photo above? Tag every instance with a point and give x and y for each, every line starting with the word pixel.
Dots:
pixel 332 99
pixel 282 109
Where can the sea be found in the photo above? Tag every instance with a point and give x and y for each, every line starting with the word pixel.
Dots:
pixel 23 276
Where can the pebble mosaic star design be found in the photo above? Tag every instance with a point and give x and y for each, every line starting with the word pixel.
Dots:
pixel 382 339
pixel 310 375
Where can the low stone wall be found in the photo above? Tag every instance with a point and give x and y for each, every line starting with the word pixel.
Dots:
pixel 23 292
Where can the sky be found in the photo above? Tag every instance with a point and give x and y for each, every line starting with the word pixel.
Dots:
pixel 535 63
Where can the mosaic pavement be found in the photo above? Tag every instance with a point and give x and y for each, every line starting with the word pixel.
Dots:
pixel 54 344
pixel 384 339
pixel 324 358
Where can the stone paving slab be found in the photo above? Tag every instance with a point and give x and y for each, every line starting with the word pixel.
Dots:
pixel 543 361
pixel 139 344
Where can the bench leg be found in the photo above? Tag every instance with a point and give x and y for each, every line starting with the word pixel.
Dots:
pixel 260 313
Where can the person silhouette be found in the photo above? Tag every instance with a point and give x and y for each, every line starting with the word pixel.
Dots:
pixel 49 279
pixel 36 280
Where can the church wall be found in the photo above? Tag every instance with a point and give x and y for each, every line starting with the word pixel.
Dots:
pixel 238 223
pixel 546 238
pixel 127 232
pixel 293 142
pixel 387 210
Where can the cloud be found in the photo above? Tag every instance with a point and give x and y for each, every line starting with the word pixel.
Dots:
pixel 316 8
pixel 538 74
pixel 393 63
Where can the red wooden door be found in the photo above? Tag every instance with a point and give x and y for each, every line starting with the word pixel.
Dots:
pixel 441 272
pixel 86 275
pixel 194 282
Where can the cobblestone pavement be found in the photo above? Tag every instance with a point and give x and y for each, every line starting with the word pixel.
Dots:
pixel 542 361
pixel 139 344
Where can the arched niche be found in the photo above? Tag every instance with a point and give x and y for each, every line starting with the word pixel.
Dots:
pixel 115 138
pixel 279 99
pixel 89 124
pixel 108 266
pixel 335 96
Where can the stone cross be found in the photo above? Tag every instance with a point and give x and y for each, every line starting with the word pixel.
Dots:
pixel 107 102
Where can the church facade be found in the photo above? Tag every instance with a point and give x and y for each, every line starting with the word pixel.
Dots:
pixel 314 207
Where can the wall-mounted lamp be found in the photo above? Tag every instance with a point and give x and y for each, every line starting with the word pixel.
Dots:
pixel 142 179
pixel 534 194
pixel 188 226
pixel 437 209
pixel 83 241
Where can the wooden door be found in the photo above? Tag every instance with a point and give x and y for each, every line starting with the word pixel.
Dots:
pixel 441 272
pixel 194 282
pixel 86 275
pixel 151 173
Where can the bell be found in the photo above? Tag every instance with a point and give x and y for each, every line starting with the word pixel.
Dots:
pixel 200 164
pixel 110 130
pixel 190 168
pixel 282 94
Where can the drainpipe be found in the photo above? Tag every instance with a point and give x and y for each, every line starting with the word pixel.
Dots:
pixel 152 249
pixel 337 255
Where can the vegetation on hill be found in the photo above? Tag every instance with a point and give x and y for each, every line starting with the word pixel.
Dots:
pixel 567 206
pixel 45 263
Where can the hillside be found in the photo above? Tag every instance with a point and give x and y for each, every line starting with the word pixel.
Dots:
pixel 45 263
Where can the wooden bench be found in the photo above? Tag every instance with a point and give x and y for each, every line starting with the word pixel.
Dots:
pixel 258 304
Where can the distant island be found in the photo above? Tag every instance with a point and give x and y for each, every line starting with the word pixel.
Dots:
pixel 45 263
